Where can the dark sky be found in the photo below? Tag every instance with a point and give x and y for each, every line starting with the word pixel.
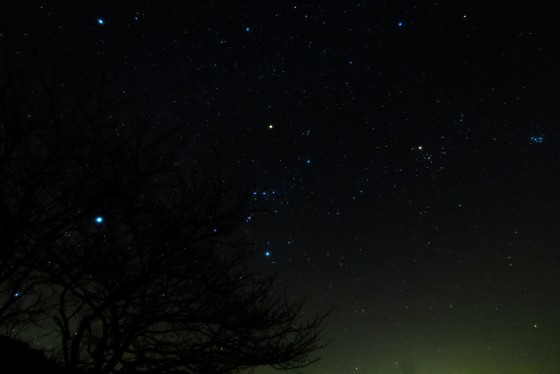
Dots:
pixel 408 154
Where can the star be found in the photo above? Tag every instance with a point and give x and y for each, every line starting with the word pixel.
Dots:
pixel 400 24
pixel 267 254
pixel 99 220
pixel 247 29
pixel 308 162
pixel 271 126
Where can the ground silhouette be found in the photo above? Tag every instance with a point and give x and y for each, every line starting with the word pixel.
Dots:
pixel 17 356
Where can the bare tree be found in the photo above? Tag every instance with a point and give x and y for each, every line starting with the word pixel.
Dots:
pixel 162 287
pixel 109 228
pixel 59 142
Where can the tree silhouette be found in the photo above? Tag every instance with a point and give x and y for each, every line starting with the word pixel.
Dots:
pixel 62 153
pixel 125 248
pixel 157 289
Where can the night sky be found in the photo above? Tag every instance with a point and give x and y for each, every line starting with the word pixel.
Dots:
pixel 407 155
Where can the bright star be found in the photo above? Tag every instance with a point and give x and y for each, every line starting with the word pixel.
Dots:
pixel 308 162
pixel 100 21
pixel 400 24
pixel 247 29
pixel 271 126
pixel 99 220
pixel 267 254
